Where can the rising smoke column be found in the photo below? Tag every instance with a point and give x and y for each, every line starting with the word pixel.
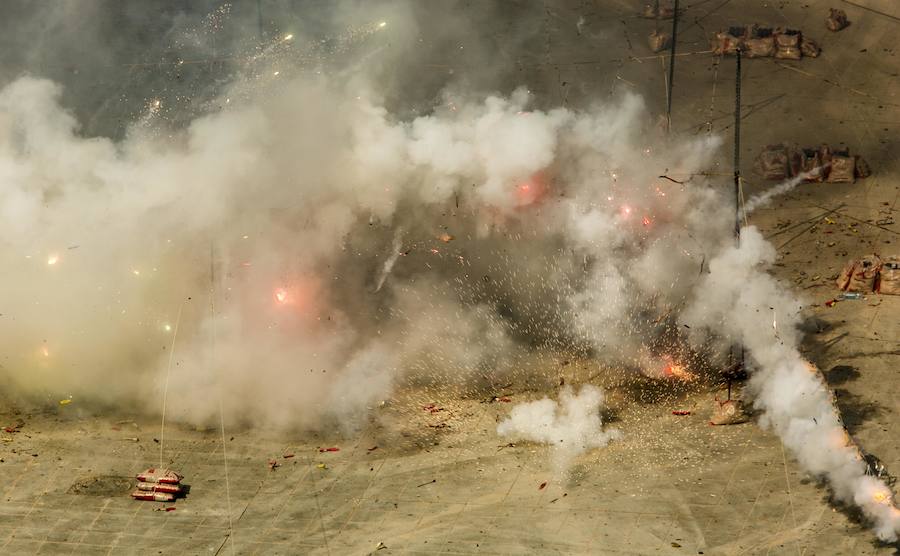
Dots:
pixel 737 297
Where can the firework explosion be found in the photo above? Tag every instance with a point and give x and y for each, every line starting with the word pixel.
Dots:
pixel 347 251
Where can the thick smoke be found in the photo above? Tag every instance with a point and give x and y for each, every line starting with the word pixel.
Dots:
pixel 571 426
pixel 315 250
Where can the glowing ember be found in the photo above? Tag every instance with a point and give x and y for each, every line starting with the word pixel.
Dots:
pixel 288 37
pixel 674 370
pixel 881 497
pixel 531 190
pixel 45 352
pixel 281 295
pixel 625 211
pixel 52 259
pixel 646 221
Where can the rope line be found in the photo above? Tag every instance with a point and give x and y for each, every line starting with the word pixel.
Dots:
pixel 162 424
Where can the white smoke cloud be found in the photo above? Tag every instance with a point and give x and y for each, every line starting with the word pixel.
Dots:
pixel 571 426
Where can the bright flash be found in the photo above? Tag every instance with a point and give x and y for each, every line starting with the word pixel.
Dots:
pixel 679 372
pixel 167 327
pixel 881 497
pixel 288 37
pixel 281 295
pixel 276 73
pixel 136 272
pixel 382 24
pixel 52 259
pixel 646 221
pixel 45 351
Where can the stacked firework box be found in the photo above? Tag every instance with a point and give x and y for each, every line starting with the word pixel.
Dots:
pixel 158 485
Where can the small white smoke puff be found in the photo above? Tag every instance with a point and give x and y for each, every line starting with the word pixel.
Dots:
pixel 572 425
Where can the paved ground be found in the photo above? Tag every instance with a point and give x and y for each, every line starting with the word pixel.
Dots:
pixel 443 482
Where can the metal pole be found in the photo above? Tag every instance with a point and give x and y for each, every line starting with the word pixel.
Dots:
pixel 738 353
pixel 737 147
pixel 671 66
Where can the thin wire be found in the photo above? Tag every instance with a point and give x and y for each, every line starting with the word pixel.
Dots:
pixel 162 424
pixel 212 311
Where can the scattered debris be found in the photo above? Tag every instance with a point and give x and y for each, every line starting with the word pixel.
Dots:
pixel 681 412
pixel 836 20
pixel 431 482
pixel 273 464
pixel 432 408
pixel 321 466
pixel 380 546
pixel 543 486
pixel 166 509
pixel 66 401
pixel 331 449
pixel 372 449
pixel 286 456
pixel 446 238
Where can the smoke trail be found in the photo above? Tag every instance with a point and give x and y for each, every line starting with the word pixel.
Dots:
pixel 796 403
pixel 396 251
pixel 764 199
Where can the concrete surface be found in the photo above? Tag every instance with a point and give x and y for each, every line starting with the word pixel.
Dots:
pixel 444 482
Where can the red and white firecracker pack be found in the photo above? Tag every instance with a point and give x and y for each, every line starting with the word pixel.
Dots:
pixel 152 496
pixel 159 487
pixel 166 476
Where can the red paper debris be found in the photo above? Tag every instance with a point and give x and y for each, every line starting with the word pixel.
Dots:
pixel 504 399
pixel 273 464
pixel 544 484
pixel 830 302
pixel 332 449
pixel 9 430
pixel 170 509
pixel 286 456
pixel 372 449
pixel 681 412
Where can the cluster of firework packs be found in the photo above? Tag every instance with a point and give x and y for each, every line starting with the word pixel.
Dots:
pixel 158 485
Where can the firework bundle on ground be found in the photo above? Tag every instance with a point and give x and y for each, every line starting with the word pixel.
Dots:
pixel 871 274
pixel 836 20
pixel 781 161
pixel 158 485
pixel 661 9
pixel 764 42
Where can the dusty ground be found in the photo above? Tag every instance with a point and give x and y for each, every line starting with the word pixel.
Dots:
pixel 417 481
